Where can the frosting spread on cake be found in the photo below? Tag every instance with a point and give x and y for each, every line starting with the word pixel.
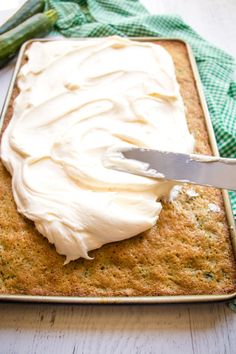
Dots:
pixel 77 99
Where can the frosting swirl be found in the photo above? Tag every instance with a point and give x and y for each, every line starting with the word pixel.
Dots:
pixel 77 99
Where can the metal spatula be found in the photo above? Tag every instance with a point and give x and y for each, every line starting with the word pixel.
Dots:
pixel 196 169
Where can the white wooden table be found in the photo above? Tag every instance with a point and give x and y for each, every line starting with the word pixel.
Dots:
pixel 200 329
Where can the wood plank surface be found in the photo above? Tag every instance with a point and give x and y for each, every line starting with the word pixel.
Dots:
pixel 43 328
pixel 189 328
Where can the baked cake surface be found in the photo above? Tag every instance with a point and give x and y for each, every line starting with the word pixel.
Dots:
pixel 187 252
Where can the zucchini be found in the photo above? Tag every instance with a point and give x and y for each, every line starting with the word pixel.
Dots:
pixel 30 8
pixel 34 27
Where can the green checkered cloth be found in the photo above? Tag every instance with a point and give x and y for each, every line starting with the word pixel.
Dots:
pixel 98 18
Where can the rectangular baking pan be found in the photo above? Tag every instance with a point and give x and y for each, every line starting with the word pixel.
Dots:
pixel 228 209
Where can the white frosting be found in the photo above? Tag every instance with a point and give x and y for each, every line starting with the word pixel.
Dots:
pixel 77 99
pixel 191 193
pixel 213 207
pixel 176 190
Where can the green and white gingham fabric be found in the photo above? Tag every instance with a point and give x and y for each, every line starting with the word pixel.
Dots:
pixel 97 18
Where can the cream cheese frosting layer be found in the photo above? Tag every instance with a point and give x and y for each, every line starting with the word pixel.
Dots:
pixel 77 99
